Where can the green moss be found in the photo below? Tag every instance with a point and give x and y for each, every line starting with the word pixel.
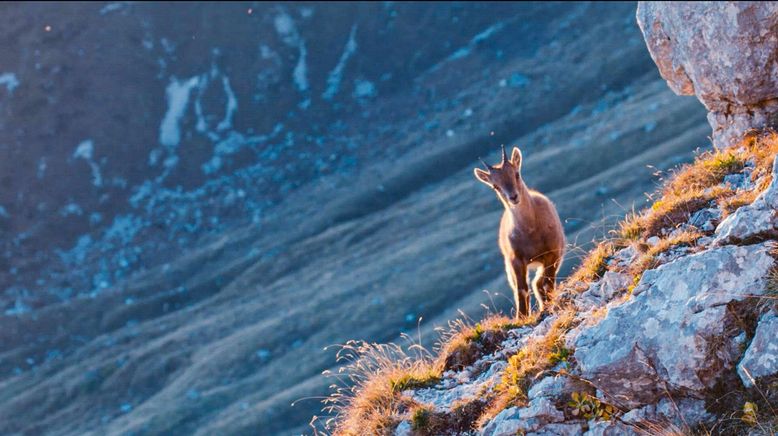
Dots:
pixel 420 419
pixel 414 381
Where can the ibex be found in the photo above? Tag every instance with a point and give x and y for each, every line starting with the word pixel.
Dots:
pixel 531 234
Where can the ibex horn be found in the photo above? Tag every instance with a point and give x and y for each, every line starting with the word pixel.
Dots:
pixel 504 155
pixel 488 167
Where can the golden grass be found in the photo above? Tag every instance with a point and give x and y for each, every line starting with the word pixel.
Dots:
pixel 376 374
pixel 648 259
pixel 696 185
pixel 594 264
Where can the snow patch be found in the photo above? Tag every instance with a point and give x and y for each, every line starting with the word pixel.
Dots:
pixel 471 45
pixel 10 81
pixel 301 70
pixel 84 150
pixel 364 89
pixel 177 93
pixel 284 25
pixel 110 7
pixel 232 105
pixel 336 75
pixel 287 30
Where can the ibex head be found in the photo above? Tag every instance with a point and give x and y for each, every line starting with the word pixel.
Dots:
pixel 504 178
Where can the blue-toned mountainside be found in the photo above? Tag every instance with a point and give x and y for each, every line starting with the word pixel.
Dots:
pixel 196 199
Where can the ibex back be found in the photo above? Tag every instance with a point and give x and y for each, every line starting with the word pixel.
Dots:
pixel 530 232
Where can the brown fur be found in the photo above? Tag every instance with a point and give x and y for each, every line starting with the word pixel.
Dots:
pixel 530 232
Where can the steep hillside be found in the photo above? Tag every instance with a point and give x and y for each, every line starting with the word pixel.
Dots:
pixel 186 223
pixel 667 327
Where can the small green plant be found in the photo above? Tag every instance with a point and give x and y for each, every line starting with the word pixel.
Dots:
pixel 722 163
pixel 420 419
pixel 412 381
pixel 478 331
pixel 588 407
pixel 749 414
pixel 559 353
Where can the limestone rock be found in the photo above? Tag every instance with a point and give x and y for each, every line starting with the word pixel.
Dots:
pixel 664 336
pixel 722 52
pixel 559 430
pixel 761 358
pixel 679 411
pixel 538 413
pixel 759 218
pixel 403 429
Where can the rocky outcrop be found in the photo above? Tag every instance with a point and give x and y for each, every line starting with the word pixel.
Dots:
pixel 722 52
pixel 669 336
pixel 658 352
pixel 758 219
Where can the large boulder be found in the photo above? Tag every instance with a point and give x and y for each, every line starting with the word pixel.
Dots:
pixel 722 52
pixel 676 333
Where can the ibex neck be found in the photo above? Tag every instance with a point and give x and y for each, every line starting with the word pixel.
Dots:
pixel 523 212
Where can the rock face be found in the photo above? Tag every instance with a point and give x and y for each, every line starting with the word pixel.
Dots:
pixel 722 52
pixel 666 337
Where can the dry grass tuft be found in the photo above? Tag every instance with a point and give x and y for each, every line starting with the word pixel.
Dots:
pixel 465 342
pixel 376 374
pixel 648 259
pixel 594 264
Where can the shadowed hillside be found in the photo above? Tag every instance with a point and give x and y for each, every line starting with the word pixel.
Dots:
pixel 197 199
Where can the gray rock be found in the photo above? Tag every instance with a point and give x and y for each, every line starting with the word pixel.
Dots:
pixel 403 429
pixel 652 241
pixel 626 256
pixel 761 357
pixel 538 413
pixel 681 412
pixel 722 52
pixel 505 423
pixel 759 218
pixel 609 428
pixel 555 387
pixel 612 283
pixel 740 181
pixel 589 299
pixel 662 335
pixel 558 430
pixel 704 219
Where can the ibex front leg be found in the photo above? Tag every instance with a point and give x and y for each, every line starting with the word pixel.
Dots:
pixel 517 276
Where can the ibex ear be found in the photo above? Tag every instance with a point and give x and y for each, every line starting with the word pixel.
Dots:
pixel 516 158
pixel 482 175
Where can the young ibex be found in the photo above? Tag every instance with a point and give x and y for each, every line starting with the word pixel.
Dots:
pixel 530 231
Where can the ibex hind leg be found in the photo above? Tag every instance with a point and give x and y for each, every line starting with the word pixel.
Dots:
pixel 517 276
pixel 547 281
pixel 538 284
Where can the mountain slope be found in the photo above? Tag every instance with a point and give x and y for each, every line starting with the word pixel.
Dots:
pixel 187 298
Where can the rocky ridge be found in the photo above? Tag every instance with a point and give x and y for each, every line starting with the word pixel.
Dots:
pixel 687 344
